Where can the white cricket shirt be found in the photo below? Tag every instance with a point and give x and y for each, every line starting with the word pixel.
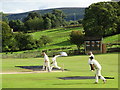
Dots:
pixel 96 63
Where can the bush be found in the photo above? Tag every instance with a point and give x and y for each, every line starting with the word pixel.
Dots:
pixel 45 39
pixel 77 38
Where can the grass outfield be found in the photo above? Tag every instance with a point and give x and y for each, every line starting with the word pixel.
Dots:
pixel 78 66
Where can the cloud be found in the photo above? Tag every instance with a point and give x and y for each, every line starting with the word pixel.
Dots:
pixel 18 11
pixel 15 11
pixel 15 6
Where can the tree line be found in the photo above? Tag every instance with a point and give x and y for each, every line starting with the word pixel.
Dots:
pixel 37 22
pixel 15 38
pixel 14 32
pixel 101 19
pixel 20 41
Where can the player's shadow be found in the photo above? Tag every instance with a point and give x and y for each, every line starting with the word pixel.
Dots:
pixel 82 77
pixel 38 68
pixel 34 68
pixel 72 83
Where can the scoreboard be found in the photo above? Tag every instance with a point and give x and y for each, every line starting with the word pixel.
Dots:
pixel 93 44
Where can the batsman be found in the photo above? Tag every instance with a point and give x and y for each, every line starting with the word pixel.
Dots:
pixel 94 64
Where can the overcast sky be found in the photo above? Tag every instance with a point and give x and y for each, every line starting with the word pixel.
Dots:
pixel 19 6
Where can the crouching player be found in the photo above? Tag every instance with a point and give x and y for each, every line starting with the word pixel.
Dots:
pixel 94 64
pixel 54 62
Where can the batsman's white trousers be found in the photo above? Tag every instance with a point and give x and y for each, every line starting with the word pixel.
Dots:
pixel 98 74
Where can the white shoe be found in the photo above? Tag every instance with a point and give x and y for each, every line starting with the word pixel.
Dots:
pixel 104 81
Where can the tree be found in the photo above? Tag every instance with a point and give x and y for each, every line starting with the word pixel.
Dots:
pixel 25 41
pixel 39 43
pixel 48 15
pixel 6 36
pixel 17 25
pixel 32 15
pixel 118 20
pixel 55 22
pixel 13 44
pixel 3 17
pixel 35 23
pixel 100 19
pixel 58 13
pixel 47 23
pixel 45 39
pixel 58 18
pixel 77 37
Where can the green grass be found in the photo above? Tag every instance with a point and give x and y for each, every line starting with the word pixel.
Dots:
pixel 55 33
pixel 112 39
pixel 59 37
pixel 78 66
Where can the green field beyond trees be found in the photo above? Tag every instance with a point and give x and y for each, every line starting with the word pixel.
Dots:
pixel 51 30
pixel 59 36
pixel 60 39
pixel 78 66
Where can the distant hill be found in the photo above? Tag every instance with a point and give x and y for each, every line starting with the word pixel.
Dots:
pixel 71 13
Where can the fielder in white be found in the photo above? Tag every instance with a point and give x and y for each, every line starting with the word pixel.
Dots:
pixel 46 65
pixel 54 62
pixel 96 66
